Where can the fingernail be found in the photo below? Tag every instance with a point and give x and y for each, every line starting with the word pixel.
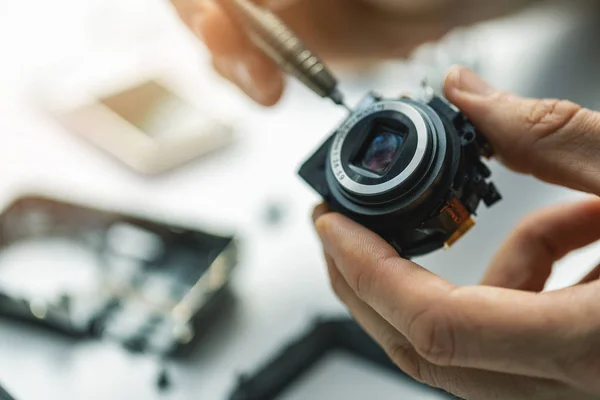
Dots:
pixel 319 211
pixel 243 77
pixel 315 216
pixel 465 80
pixel 321 225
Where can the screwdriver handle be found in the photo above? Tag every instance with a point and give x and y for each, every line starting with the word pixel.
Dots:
pixel 281 45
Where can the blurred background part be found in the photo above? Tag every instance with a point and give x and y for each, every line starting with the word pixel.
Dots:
pixel 65 49
pixel 151 287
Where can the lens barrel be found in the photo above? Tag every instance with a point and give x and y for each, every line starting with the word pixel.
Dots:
pixel 415 166
pixel 409 170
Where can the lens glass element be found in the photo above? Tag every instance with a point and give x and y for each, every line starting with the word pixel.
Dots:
pixel 381 152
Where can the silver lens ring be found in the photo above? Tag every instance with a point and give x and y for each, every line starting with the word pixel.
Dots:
pixel 419 157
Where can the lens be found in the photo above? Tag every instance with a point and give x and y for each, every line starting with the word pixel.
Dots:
pixel 381 152
pixel 378 155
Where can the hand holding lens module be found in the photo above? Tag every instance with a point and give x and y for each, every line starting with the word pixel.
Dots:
pixel 409 170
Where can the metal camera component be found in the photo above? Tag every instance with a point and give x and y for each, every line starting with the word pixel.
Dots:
pixel 410 170
pixel 284 372
pixel 155 287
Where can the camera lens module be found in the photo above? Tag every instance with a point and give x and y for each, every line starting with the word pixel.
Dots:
pixel 410 170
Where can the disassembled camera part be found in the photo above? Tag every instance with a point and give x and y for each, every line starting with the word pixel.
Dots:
pixel 409 170
pixel 148 126
pixel 293 362
pixel 4 395
pixel 154 287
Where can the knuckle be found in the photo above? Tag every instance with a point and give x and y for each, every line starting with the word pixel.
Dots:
pixel 415 366
pixel 408 360
pixel 432 334
pixel 547 116
pixel 555 131
pixel 528 225
pixel 567 138
pixel 362 280
pixel 532 230
pixel 403 354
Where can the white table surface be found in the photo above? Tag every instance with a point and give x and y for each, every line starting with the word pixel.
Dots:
pixel 281 282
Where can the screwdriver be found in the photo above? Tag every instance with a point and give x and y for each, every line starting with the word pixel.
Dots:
pixel 283 47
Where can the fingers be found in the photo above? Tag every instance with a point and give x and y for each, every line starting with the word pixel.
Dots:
pixel 525 260
pixel 556 141
pixel 480 327
pixel 461 382
pixel 464 383
pixel 218 31
pixel 394 344
pixel 397 347
pixel 234 56
pixel 256 76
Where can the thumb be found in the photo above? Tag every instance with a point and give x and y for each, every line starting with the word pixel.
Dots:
pixel 553 140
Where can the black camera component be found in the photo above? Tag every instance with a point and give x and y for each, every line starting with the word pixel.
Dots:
pixel 4 395
pixel 296 359
pixel 155 289
pixel 410 170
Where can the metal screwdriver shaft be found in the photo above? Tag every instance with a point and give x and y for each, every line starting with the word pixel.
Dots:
pixel 281 45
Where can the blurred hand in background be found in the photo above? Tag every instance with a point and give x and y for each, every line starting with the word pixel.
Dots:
pixel 338 30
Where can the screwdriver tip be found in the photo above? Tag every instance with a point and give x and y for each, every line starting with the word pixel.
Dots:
pixel 338 98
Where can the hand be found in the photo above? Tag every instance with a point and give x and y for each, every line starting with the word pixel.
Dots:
pixel 504 339
pixel 342 30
